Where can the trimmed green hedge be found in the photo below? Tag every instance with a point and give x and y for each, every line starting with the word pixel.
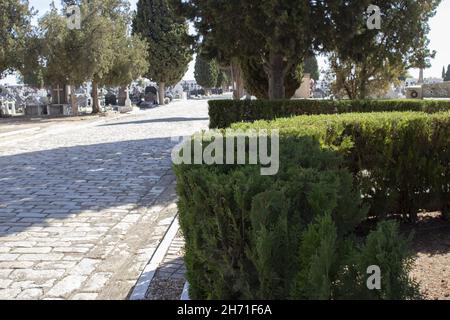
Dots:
pixel 399 161
pixel 223 113
pixel 287 236
pixel 291 236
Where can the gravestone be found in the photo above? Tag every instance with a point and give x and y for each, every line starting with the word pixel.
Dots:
pixel 60 100
pixel 111 99
pixel 151 94
pixel 59 95
pixel 127 105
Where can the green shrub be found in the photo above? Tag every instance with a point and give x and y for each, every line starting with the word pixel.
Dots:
pixel 399 161
pixel 288 236
pixel 223 113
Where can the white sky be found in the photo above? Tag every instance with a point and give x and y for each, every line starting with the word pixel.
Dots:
pixel 439 36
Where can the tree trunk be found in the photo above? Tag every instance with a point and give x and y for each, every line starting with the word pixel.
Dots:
pixel 421 76
pixel 122 96
pixel 162 93
pixel 362 94
pixel 276 73
pixel 238 81
pixel 73 101
pixel 95 106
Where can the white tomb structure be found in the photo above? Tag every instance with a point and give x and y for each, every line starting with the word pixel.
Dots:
pixel 178 92
pixel 128 106
pixel 7 107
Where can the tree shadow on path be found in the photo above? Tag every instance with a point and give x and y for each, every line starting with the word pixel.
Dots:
pixel 63 182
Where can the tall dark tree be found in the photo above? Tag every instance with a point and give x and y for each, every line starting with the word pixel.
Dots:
pixel 275 35
pixel 447 74
pixel 279 34
pixel 32 69
pixel 312 67
pixel 169 44
pixel 206 72
pixel 443 73
pixel 222 79
pixel 255 79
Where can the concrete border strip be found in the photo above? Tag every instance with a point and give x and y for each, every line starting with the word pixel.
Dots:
pixel 146 277
pixel 185 293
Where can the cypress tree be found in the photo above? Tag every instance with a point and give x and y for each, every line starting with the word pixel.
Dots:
pixel 169 44
pixel 206 72
pixel 447 75
pixel 312 67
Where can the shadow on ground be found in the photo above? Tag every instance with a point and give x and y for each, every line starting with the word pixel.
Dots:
pixel 155 121
pixel 431 235
pixel 57 183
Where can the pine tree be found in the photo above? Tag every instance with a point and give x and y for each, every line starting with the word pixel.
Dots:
pixel 15 27
pixel 365 64
pixel 169 44
pixel 311 66
pixel 206 72
pixel 443 73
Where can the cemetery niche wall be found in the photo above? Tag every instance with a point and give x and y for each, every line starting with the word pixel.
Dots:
pixel 433 90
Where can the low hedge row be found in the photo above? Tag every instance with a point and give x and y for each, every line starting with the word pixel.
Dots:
pixel 291 236
pixel 399 161
pixel 223 113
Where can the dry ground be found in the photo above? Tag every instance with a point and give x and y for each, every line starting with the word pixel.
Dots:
pixel 432 248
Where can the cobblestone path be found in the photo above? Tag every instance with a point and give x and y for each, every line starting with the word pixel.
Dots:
pixel 83 207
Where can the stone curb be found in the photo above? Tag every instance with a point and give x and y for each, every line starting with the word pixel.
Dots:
pixel 145 279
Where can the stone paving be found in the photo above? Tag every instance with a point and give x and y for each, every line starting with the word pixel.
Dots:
pixel 83 207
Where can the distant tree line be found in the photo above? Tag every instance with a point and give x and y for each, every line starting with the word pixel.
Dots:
pixel 267 43
pixel 112 47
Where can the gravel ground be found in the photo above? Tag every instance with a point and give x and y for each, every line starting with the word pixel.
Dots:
pixel 432 248
pixel 169 279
